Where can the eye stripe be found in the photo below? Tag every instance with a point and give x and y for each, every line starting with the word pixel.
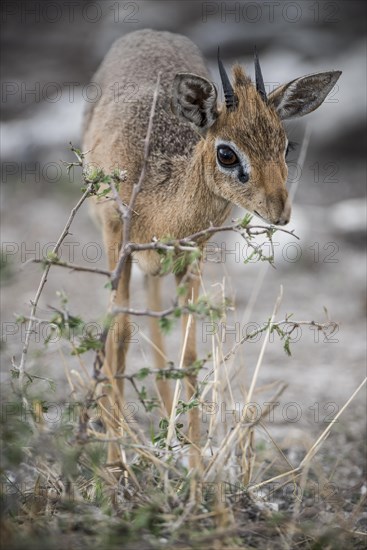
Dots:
pixel 243 176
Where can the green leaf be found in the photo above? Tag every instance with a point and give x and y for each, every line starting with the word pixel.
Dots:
pixel 286 346
pixel 177 312
pixel 181 290
pixel 20 319
pixel 165 324
pixel 53 257
pixel 87 343
pixel 249 258
pixel 246 220
pixel 142 373
pixel 104 192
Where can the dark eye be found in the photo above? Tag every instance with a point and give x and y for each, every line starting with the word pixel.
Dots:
pixel 292 145
pixel 226 156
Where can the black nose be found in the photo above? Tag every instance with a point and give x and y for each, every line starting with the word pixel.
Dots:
pixel 281 221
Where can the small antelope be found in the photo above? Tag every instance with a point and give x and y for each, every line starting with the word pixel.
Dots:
pixel 204 157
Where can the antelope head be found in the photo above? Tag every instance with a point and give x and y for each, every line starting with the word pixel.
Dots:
pixel 244 142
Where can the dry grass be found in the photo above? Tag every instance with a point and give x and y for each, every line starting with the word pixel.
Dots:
pixel 245 491
pixel 57 482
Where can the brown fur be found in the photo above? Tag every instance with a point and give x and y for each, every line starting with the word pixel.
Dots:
pixel 183 191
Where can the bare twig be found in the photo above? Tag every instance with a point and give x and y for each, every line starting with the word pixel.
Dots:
pixel 34 302
pixel 292 326
pixel 144 312
pixel 128 212
pixel 187 244
pixel 315 447
pixel 224 450
pixel 118 200
pixel 263 347
pixel 237 225
pixel 72 267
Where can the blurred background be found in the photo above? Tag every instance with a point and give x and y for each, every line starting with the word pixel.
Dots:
pixel 50 53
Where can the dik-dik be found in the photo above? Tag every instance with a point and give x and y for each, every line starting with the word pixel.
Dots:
pixel 204 157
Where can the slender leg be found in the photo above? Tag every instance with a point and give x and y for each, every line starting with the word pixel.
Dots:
pixel 192 281
pixel 116 349
pixel 155 304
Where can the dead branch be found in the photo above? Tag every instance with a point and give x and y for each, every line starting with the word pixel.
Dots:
pixel 34 302
pixel 128 212
pixel 73 267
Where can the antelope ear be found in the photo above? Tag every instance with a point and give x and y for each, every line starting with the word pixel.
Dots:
pixel 303 95
pixel 194 99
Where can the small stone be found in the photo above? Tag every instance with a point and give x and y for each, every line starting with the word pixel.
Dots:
pixel 310 512
pixel 361 525
pixel 348 507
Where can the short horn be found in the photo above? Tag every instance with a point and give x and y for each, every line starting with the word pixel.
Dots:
pixel 260 87
pixel 229 95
